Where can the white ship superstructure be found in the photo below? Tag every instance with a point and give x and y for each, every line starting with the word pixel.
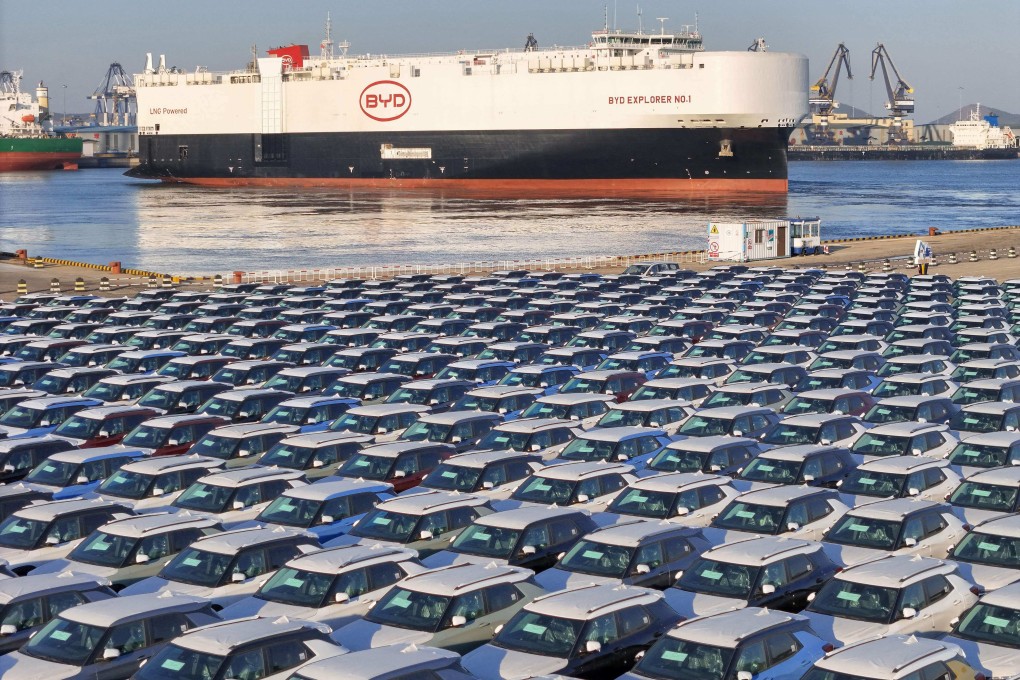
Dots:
pixel 979 133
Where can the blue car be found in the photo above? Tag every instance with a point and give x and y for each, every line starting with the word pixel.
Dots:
pixel 38 417
pixel 310 414
pixel 328 508
pixel 76 472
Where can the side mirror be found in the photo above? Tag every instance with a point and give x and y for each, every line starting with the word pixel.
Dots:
pixel 433 402
pixel 910 542
pixel 767 589
pixel 425 535
pixel 380 430
pixel 8 629
pixel 455 440
pixel 110 653
pixel 399 474
pixel 909 612
pixel 610 391
pixel 809 478
pixel 679 575
pixel 738 433
pixel 811 597
pixel 8 468
pixel 318 463
pixel 458 621
pixel 534 447
pixel 682 511
pixel 326 519
pixel 826 442
pixel 52 540
pixel 583 498
pixel 340 598
pixel 643 569
pixel 238 577
pixel 487 485
pixel 916 452
pixel 81 479
pixel 593 646
pixel 913 491
pixel 243 453
pixel 141 558
pixel 745 675
pixel 715 468
pixel 528 550
pixel 156 491
pixel 238 505
pixel 792 526
pixel 622 457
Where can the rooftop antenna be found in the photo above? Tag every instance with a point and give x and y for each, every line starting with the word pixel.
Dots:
pixel 696 31
pixel 614 14
pixel 605 12
pixel 640 24
pixel 327 44
pixel 662 24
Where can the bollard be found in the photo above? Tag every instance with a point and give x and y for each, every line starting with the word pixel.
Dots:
pixel 168 281
pixel 886 267
pixel 152 282
pixel 973 256
pixel 952 258
pixel 104 284
pixel 21 255
pixel 860 266
pixel 55 285
pixel 992 255
pixel 22 287
pixel 38 263
pixel 79 285
pixel 238 277
pixel 217 280
pixel 849 266
pixel 115 268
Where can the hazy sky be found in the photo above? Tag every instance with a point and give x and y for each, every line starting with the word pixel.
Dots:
pixel 939 46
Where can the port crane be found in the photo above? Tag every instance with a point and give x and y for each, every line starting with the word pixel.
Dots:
pixel 901 95
pixel 823 95
pixel 115 98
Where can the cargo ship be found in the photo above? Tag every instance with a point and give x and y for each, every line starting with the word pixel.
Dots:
pixel 24 143
pixel 627 112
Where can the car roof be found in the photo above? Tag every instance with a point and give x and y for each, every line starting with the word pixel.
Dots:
pixel 779 495
pixel 895 571
pixel 631 533
pixel 387 409
pixel 797 452
pixel 519 518
pixel 708 444
pixel 366 378
pixel 991 407
pixel 760 550
pixel 573 398
pixel 672 482
pixel 889 656
pixel 1003 476
pixel 479 459
pixel 592 600
pixel 380 662
pixel 893 508
pixel 995 438
pixel 394 449
pixel 618 434
pixel 40 584
pixel 904 428
pixel 461 578
pixel 182 385
pixel 499 391
pixel 97 453
pixel 901 464
pixel 334 487
pixel 144 524
pixel 240 476
pixel 649 404
pixel 454 417
pixel 326 437
pixel 223 637
pixel 159 464
pixel 828 393
pixel 48 510
pixel 578 469
pixel 239 430
pixel 525 425
pixel 106 613
pixel 815 419
pixel 729 629
pixel 230 542
pixel 732 411
pixel 429 501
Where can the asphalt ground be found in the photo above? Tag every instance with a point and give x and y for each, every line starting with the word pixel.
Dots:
pixel 853 253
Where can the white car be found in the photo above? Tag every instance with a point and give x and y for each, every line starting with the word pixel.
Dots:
pixel 899 477
pixel 689 498
pixel 987 494
pixel 989 554
pixel 988 633
pixel 793 511
pixel 906 438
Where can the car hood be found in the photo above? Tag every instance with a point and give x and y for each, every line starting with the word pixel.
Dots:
pixel 489 661
pixel 155 584
pixel 18 666
pixel 974 516
pixel 57 566
pixel 253 606
pixel 560 579
pixel 364 634
pixel 844 631
pixel 994 661
pixel 690 605
pixel 847 555
pixel 445 558
pixel 987 576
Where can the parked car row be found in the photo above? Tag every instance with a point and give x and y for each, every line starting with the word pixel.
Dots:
pixel 739 473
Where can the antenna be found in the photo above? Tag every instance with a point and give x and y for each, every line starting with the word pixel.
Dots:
pixel 696 31
pixel 327 44
pixel 605 12
pixel 640 25
pixel 662 24
pixel 614 14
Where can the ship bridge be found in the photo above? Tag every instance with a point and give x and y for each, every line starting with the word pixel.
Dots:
pixel 619 43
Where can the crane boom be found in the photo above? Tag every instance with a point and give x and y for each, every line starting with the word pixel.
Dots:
pixel 901 95
pixel 822 99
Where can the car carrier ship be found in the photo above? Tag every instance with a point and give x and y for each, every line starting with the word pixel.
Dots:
pixel 629 111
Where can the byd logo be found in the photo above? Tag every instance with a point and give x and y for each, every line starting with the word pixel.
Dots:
pixel 385 100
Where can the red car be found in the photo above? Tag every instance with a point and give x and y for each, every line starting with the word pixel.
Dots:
pixel 171 435
pixel 102 425
pixel 402 464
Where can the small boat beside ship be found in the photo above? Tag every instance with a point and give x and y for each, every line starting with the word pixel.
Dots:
pixel 25 142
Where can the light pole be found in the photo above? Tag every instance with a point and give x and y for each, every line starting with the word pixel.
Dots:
pixel 960 100
pixel 63 115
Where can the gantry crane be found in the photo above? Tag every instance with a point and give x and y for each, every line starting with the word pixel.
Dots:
pixel 115 98
pixel 822 99
pixel 901 95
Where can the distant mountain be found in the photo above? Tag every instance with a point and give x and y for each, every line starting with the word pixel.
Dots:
pixel 1005 117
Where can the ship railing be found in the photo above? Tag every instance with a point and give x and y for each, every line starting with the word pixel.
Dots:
pixel 370 272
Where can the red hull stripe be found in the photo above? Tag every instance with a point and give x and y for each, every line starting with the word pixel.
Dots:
pixel 527 187
pixel 34 160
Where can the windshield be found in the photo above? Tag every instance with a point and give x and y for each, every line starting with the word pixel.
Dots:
pixel 64 642
pixel 788 435
pixel 899 388
pixel 599 559
pixel 204 497
pixel 540 409
pixel 16 532
pixel 544 490
pixel 405 395
pixel 625 418
pixel 578 385
pixel 105 550
pixel 107 392
pixel 760 519
pixel 24 417
pixel 772 470
pixel 865 532
pixel 988 623
pixel 294 512
pixel 453 478
pixel 287 383
pixel 526 379
pixel 979 548
pixel 288 415
pixel 969 395
pixel 539 634
pixel 387 526
pixel 590 450
pixel 969 421
pixel 720 399
pixel 217 446
pixel 179 663
pixel 426 431
pixel 124 364
pixel 700 426
pixel 470 402
pixel 644 503
pixel 147 436
pixel 367 467
pixel 297 587
pixel 217 406
pixel 161 399
pixel 124 484
pixel 883 413
pixel 53 472
pixel 675 659
pixel 197 567
pixel 860 601
pixel 977 455
pixel 680 460
pixel 801 405
pixel 287 456
pixel 868 483
pixel 881 445
pixel 486 541
pixel 354 422
pixel 719 578
pixel 984 497
pixel 498 440
pixel 409 609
